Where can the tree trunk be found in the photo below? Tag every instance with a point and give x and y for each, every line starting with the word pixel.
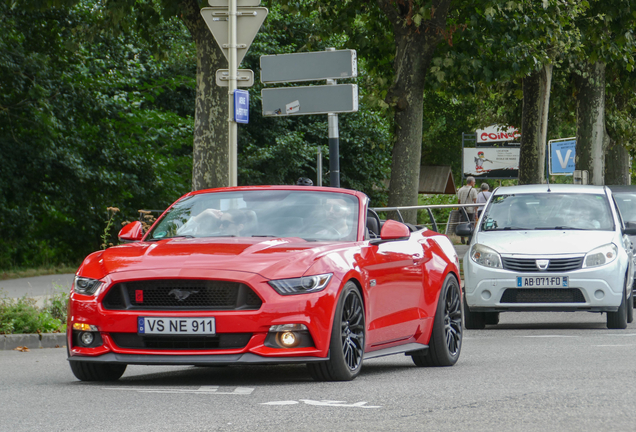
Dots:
pixel 534 126
pixel 210 151
pixel 590 121
pixel 616 163
pixel 415 46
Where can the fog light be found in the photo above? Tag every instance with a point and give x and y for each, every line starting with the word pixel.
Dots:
pixel 87 338
pixel 84 327
pixel 287 339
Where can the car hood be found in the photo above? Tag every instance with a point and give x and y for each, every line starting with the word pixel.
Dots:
pixel 280 257
pixel 544 242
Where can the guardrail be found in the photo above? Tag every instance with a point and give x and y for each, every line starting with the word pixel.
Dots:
pixel 428 208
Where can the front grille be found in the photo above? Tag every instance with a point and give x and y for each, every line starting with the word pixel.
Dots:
pixel 181 342
pixel 555 265
pixel 181 294
pixel 542 295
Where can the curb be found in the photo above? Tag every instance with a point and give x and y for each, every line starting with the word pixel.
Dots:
pixel 32 341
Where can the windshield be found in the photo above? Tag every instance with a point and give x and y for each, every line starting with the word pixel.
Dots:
pixel 548 211
pixel 627 205
pixel 262 213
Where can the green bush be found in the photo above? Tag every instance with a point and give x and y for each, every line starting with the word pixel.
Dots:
pixel 24 316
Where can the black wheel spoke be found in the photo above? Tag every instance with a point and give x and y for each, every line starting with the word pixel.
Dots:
pixel 352 330
pixel 452 320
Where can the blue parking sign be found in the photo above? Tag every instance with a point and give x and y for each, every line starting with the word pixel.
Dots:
pixel 562 155
pixel 241 106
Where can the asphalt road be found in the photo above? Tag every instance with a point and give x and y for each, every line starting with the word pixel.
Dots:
pixel 533 372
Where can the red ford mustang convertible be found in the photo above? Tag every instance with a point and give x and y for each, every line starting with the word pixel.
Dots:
pixel 263 275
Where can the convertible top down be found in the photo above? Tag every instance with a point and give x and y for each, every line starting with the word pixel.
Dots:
pixel 262 275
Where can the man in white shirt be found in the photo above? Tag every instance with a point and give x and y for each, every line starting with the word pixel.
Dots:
pixel 467 195
pixel 482 197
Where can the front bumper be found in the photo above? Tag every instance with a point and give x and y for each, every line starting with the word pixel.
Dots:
pixel 314 310
pixel 597 289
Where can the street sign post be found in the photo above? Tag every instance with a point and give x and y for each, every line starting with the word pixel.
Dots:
pixel 309 66
pixel 234 42
pixel 562 154
pixel 329 99
pixel 289 101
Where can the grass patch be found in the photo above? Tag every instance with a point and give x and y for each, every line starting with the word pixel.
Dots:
pixel 31 272
pixel 22 315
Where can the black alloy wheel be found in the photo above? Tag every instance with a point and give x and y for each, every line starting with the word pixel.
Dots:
pixel 347 340
pixel 618 320
pixel 446 338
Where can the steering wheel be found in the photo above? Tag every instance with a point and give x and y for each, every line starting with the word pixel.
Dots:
pixel 317 227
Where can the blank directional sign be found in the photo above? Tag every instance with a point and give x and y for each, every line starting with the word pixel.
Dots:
pixel 562 156
pixel 239 3
pixel 285 101
pixel 248 19
pixel 309 66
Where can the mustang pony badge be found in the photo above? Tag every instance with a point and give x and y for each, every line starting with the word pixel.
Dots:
pixel 181 295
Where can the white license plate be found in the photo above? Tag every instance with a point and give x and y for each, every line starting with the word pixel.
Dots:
pixel 172 326
pixel 542 282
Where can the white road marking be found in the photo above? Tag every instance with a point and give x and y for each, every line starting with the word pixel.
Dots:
pixel 623 345
pixel 329 403
pixel 548 336
pixel 200 390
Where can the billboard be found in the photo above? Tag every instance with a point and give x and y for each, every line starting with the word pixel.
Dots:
pixel 496 133
pixel 562 153
pixel 491 162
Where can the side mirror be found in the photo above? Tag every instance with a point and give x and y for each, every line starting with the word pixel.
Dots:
pixel 134 231
pixel 630 228
pixel 464 229
pixel 392 230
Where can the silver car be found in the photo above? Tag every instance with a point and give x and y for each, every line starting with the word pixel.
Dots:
pixel 549 248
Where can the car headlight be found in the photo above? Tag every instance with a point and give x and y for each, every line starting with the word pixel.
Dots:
pixel 301 285
pixel 601 256
pixel 485 256
pixel 86 286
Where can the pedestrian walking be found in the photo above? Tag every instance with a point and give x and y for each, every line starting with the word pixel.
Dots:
pixel 482 197
pixel 467 194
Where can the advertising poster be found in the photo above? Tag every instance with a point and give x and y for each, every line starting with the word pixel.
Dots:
pixel 496 133
pixel 489 162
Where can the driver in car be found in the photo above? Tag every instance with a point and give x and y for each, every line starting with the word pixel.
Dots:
pixel 337 213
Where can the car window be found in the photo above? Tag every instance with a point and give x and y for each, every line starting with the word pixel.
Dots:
pixel 548 210
pixel 276 213
pixel 627 205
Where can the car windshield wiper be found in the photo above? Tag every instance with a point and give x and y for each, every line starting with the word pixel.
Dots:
pixel 266 235
pixel 570 228
pixel 166 238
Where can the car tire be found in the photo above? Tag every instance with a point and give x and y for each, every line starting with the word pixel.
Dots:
pixel 91 371
pixel 491 318
pixel 473 320
pixel 346 348
pixel 445 343
pixel 618 319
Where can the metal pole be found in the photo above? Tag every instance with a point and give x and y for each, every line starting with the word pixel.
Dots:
pixel 319 166
pixel 232 84
pixel 334 143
